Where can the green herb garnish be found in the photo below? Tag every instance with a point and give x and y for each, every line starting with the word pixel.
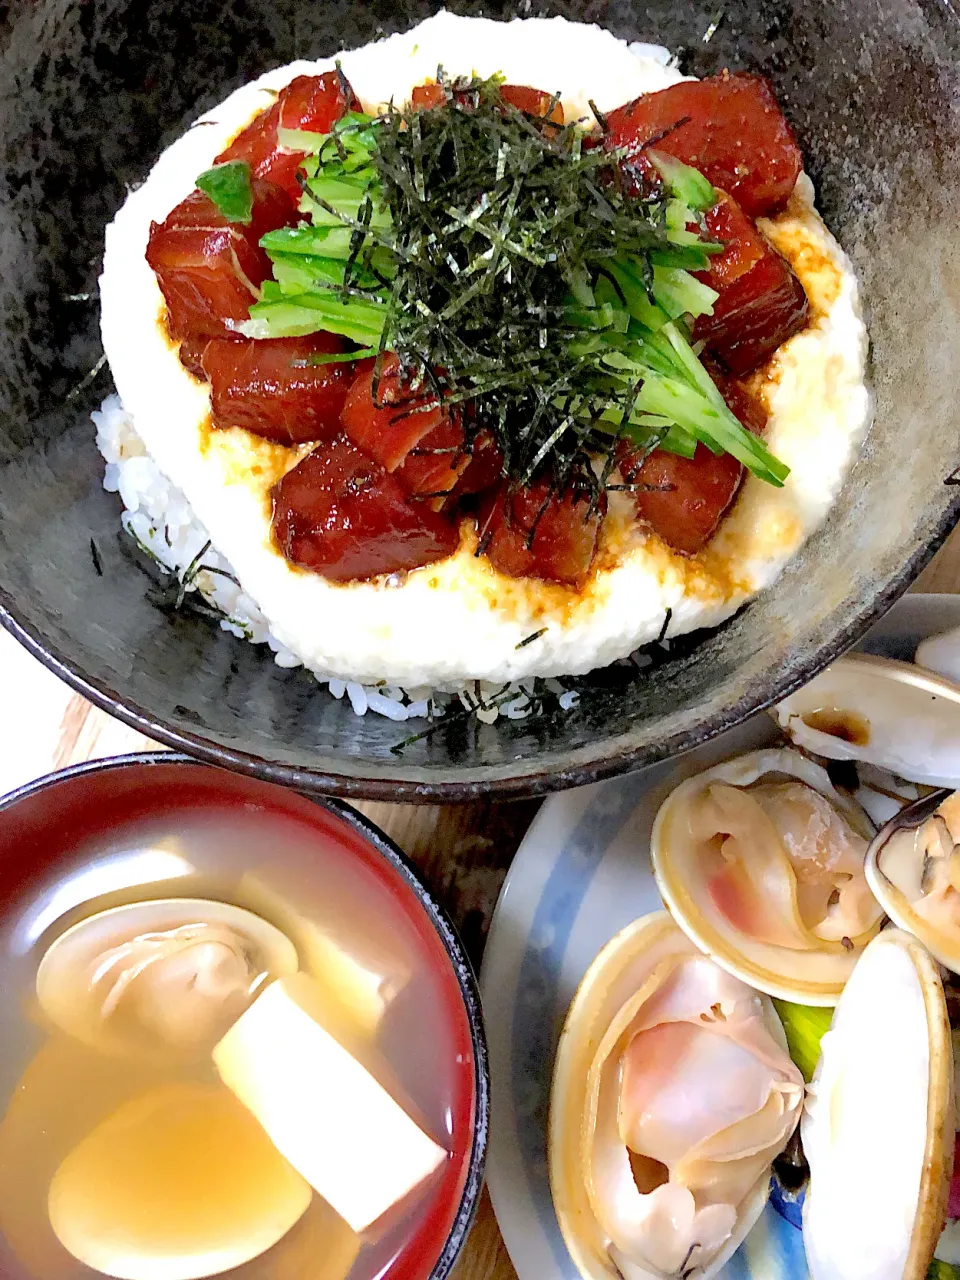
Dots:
pixel 687 185
pixel 228 186
pixel 499 257
pixel 942 1271
pixel 362 353
pixel 804 1026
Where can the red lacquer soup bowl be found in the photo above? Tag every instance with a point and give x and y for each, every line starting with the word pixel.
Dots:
pixel 150 827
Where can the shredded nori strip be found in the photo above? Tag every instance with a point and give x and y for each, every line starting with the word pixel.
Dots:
pixel 95 557
pixel 497 217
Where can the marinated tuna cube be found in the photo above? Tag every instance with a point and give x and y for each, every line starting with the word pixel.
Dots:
pixel 389 414
pixel 484 466
pixel 744 245
pixel 729 126
pixel 405 428
pixel 534 102
pixel 535 532
pixel 427 96
pixel 433 467
pixel 311 103
pixel 681 499
pixel 191 355
pixel 271 388
pixel 341 515
pixel 761 302
pixel 316 103
pixel 257 143
pixel 684 499
pixel 271 208
pixel 741 399
pixel 208 277
pixel 210 270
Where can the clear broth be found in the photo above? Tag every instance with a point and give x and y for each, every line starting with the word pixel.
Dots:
pixel 56 1090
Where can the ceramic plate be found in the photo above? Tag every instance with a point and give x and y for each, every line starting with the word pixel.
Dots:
pixel 581 874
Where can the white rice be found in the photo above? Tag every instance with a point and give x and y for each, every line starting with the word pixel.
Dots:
pixel 160 519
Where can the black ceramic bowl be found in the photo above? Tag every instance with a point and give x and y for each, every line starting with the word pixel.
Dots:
pixel 91 92
pixel 50 831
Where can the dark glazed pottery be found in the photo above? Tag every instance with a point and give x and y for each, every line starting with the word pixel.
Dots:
pixel 89 95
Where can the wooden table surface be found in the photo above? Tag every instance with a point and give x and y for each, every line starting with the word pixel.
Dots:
pixel 462 851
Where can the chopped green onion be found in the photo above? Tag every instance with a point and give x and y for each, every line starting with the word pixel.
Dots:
pixel 678 441
pixel 228 186
pixel 686 184
pixel 300 140
pixel 364 353
pixel 679 293
pixel 304 313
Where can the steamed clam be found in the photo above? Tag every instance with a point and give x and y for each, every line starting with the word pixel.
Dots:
pixel 760 860
pixel 891 714
pixel 167 976
pixel 881 1100
pixel 941 653
pixel 672 1095
pixel 913 868
pixel 882 794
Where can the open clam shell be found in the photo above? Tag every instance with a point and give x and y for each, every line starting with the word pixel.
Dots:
pixel 941 653
pixel 672 1095
pixel 167 976
pixel 760 860
pixel 878 1126
pixel 891 714
pixel 913 868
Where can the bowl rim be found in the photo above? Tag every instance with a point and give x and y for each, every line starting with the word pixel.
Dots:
pixel 594 761
pixel 394 856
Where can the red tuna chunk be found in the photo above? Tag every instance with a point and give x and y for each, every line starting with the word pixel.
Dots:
pixel 270 388
pixel 210 270
pixel 311 103
pixel 483 469
pixel 341 515
pixel 532 532
pixel 390 415
pixel 734 133
pixel 406 429
pixel 761 302
pixel 433 467
pixel 533 102
pixel 688 497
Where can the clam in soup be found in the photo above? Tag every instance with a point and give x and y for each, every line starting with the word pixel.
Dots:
pixel 231 1047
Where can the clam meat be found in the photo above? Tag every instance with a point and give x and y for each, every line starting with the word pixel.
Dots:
pixel 761 862
pixel 891 714
pixel 913 867
pixel 168 976
pixel 672 1095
